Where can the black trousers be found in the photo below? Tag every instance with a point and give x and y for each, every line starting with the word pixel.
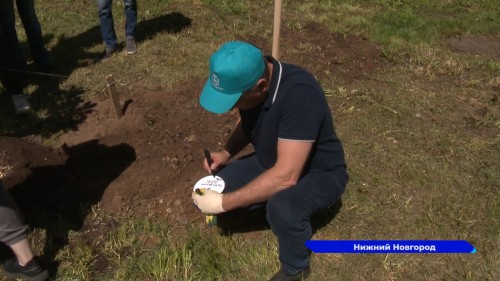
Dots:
pixel 288 212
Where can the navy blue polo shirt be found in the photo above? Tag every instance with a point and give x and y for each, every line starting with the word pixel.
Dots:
pixel 295 109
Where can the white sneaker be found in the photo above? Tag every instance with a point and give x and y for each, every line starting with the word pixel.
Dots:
pixel 21 104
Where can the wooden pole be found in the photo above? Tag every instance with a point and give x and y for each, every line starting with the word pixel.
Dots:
pixel 276 29
pixel 114 96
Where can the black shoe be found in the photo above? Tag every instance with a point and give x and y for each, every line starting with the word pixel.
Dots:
pixel 32 271
pixel 107 54
pixel 283 276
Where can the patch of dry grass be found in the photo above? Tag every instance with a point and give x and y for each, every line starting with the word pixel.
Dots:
pixel 423 158
pixel 5 168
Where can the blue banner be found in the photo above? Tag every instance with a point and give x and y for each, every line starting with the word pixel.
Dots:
pixel 391 246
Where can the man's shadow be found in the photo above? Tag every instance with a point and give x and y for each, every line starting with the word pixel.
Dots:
pixel 58 198
pixel 244 220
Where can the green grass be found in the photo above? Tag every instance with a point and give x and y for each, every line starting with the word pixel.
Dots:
pixel 422 137
pixel 135 248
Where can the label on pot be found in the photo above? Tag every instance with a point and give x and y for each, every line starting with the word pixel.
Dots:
pixel 214 183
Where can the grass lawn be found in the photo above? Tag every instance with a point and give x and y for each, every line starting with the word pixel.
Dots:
pixel 421 132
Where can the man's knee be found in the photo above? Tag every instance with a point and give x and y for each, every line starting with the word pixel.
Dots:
pixel 104 6
pixel 283 212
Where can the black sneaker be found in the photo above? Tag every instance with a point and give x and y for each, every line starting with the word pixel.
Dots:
pixel 130 45
pixel 283 276
pixel 107 54
pixel 32 271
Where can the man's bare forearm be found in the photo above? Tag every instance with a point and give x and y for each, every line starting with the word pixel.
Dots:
pixel 258 190
pixel 292 156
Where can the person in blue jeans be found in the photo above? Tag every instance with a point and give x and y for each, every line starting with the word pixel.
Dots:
pixel 298 165
pixel 108 28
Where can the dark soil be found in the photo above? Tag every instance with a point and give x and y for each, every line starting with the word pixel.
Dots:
pixel 487 46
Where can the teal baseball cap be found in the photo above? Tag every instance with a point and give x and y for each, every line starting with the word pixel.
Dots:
pixel 234 68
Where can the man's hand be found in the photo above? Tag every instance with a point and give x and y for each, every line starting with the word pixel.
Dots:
pixel 208 201
pixel 219 159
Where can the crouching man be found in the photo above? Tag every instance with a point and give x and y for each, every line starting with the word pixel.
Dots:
pixel 298 164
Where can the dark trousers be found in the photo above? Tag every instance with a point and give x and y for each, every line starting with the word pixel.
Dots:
pixel 11 58
pixel 27 13
pixel 289 211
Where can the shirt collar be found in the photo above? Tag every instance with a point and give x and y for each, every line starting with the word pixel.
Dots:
pixel 275 82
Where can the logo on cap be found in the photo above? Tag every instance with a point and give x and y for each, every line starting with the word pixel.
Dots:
pixel 215 82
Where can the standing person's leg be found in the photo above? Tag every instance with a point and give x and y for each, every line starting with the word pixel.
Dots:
pixel 289 212
pixel 7 76
pixel 107 27
pixel 8 25
pixel 131 17
pixel 107 23
pixel 12 76
pixel 13 233
pixel 12 229
pixel 130 26
pixel 27 13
